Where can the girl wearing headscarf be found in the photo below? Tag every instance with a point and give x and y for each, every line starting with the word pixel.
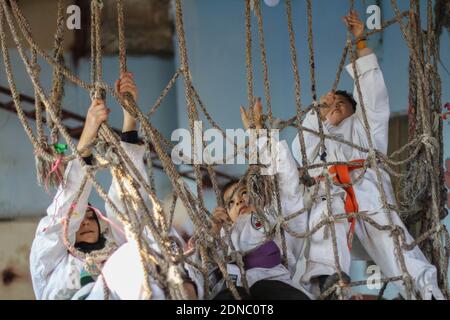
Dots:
pixel 104 259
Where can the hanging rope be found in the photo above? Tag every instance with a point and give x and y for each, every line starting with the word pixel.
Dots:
pixel 424 147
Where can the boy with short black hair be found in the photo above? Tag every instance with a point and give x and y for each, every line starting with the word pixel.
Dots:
pixel 344 119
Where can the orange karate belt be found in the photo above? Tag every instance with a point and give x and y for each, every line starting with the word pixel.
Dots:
pixel 342 176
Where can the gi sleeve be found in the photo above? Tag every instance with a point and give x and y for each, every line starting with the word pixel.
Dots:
pixel 136 154
pixel 48 249
pixel 375 97
pixel 283 164
pixel 291 197
pixel 312 142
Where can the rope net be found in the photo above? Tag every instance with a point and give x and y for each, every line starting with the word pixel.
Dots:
pixel 422 177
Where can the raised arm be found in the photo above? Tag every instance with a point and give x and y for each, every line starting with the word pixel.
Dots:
pixel 291 197
pixel 373 88
pixel 291 191
pixel 281 163
pixel 135 152
pixel 48 249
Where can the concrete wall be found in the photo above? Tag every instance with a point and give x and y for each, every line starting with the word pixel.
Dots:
pixel 16 157
pixel 16 237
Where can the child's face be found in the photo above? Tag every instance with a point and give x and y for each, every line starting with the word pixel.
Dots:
pixel 89 230
pixel 339 110
pixel 237 202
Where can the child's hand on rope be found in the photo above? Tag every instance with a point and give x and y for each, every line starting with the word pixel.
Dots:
pixel 220 216
pixel 257 115
pixel 355 25
pixel 96 115
pixel 126 84
pixel 326 100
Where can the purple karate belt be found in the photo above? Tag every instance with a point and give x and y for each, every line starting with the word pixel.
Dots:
pixel 265 256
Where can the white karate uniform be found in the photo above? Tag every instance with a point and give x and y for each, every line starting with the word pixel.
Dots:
pixel 378 244
pixel 248 232
pixel 319 253
pixel 55 272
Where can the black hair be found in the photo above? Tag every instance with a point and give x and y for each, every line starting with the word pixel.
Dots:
pixel 227 186
pixel 349 98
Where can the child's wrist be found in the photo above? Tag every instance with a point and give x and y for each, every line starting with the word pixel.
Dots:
pixel 127 116
pixel 83 150
pixel 86 154
pixel 361 43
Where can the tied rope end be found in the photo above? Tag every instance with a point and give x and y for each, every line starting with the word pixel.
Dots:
pixel 54 176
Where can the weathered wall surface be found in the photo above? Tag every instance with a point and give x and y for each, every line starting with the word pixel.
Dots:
pixel 16 237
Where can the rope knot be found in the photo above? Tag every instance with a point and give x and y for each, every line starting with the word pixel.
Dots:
pixel 406 277
pixel 372 154
pixel 280 220
pixel 175 248
pixel 278 123
pixel 174 275
pixel 108 152
pixel 98 3
pixel 331 218
pixel 97 93
pixel 395 230
pixel 429 142
pixel 40 150
pixel 36 68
